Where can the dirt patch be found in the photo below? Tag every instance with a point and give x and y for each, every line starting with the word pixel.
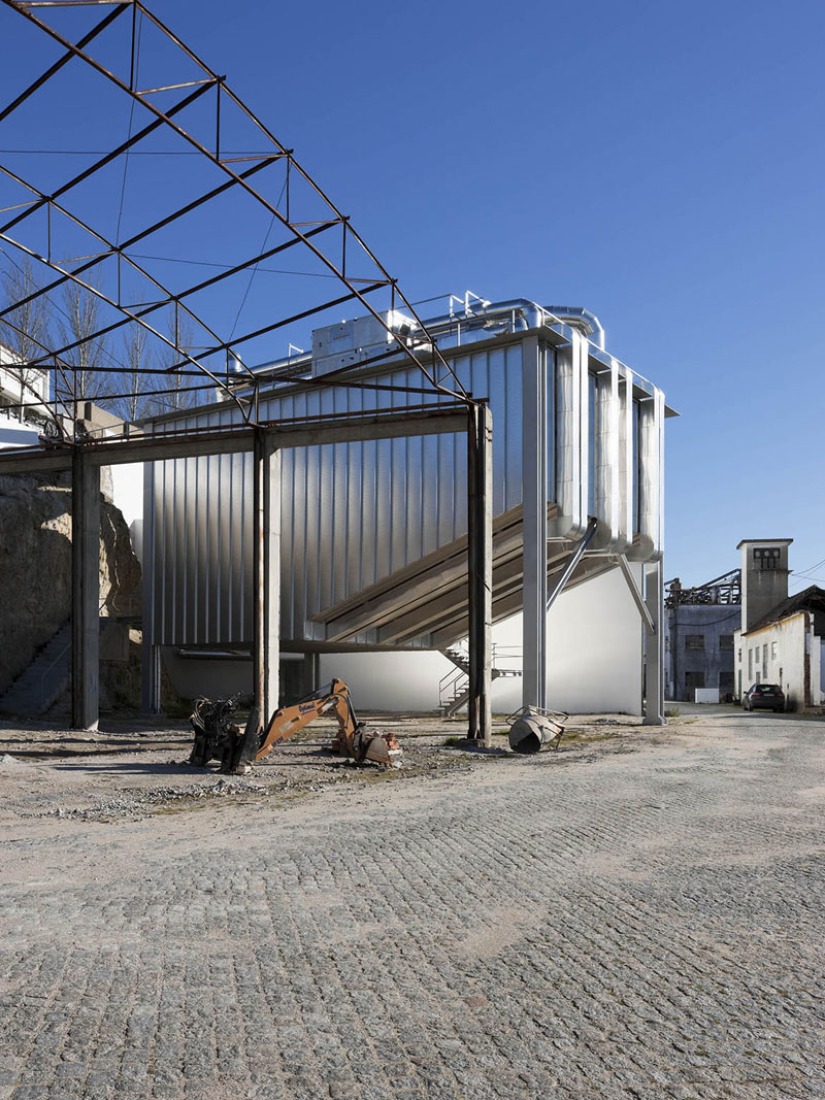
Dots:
pixel 129 771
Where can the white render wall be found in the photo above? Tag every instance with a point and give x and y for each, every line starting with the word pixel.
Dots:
pixel 595 640
pixel 595 637
pixel 787 642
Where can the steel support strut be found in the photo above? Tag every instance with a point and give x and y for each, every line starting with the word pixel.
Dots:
pixel 654 653
pixel 480 595
pixel 534 504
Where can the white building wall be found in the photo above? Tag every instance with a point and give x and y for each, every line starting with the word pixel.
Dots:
pixel 594 643
pixel 595 637
pixel 595 640
pixel 127 490
pixel 389 681
pixel 777 655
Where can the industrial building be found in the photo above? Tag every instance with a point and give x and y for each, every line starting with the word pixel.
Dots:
pixel 699 627
pixel 372 537
pixel 403 487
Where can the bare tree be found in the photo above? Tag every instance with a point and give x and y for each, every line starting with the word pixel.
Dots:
pixel 137 385
pixel 179 391
pixel 80 321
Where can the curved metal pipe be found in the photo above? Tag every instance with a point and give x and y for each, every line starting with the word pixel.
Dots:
pixel 532 314
pixel 583 318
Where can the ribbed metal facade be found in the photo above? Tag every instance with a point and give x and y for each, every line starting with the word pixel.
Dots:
pixel 354 513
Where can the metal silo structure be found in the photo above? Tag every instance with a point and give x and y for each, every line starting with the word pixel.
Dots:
pixel 373 533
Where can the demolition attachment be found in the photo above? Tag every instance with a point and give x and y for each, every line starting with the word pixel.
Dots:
pixel 216 735
pixel 533 728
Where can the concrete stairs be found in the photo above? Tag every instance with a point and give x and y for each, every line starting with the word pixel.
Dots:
pixel 44 681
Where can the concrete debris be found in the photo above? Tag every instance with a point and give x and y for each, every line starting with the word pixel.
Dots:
pixel 136 806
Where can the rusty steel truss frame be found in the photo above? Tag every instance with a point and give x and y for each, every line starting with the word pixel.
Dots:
pixel 328 238
pixel 311 226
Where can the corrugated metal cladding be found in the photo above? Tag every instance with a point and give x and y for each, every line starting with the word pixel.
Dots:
pixel 351 513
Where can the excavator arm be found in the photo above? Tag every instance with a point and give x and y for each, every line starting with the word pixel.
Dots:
pixel 239 750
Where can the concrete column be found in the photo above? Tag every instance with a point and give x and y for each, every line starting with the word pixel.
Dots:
pixel 309 673
pixel 85 592
pixel 534 481
pixel 150 653
pixel 654 706
pixel 267 572
pixel 150 677
pixel 480 551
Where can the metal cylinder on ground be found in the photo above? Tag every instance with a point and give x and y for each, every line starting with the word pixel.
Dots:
pixel 531 732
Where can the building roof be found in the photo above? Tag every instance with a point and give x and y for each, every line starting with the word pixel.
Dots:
pixel 810 599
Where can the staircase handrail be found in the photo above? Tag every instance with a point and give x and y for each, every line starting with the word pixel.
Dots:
pixel 448 684
pixel 454 682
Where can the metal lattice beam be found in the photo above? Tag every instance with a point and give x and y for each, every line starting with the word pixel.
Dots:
pixel 42 222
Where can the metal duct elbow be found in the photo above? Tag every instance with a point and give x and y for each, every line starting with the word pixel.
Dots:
pixel 581 318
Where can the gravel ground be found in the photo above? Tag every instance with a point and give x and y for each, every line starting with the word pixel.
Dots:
pixel 636 915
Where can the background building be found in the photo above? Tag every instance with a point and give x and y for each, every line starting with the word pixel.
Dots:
pixel 780 640
pixel 22 388
pixel 699 647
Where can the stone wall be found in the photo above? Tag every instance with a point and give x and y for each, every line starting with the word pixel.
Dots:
pixel 36 566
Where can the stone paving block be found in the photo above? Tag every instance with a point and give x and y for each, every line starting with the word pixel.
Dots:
pixel 645 927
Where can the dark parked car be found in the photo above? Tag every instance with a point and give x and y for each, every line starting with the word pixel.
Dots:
pixel 764 696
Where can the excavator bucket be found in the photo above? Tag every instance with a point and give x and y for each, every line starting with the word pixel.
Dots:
pixel 240 749
pixel 369 744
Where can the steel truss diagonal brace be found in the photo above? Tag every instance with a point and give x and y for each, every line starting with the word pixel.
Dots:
pixel 636 593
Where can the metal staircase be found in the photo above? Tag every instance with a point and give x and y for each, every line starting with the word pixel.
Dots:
pixel 454 687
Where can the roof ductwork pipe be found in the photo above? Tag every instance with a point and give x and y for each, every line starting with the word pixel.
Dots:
pixel 583 319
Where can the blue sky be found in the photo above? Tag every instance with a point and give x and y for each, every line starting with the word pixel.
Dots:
pixel 661 164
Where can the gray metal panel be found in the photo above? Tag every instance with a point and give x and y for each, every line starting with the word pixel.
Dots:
pixel 351 513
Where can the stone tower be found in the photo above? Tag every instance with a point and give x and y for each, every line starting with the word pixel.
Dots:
pixel 764 577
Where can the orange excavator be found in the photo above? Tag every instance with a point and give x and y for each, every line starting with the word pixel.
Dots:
pixel 218 736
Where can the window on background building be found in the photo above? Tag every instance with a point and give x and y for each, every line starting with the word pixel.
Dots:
pixel 726 641
pixel 764 660
pixel 693 680
pixel 695 642
pixel 750 664
pixel 773 651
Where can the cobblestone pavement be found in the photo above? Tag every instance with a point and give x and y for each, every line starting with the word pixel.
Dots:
pixel 640 918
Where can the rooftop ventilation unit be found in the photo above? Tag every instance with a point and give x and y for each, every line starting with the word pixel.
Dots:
pixel 353 342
